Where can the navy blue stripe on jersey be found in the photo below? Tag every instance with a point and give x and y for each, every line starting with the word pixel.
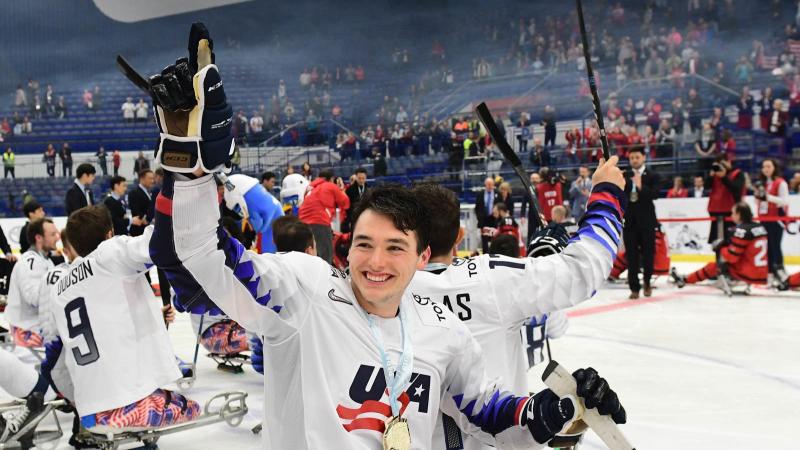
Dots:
pixel 589 232
pixel 52 351
pixel 606 226
pixel 493 417
pixel 238 260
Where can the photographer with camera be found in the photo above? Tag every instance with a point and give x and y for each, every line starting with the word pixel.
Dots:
pixel 772 198
pixel 727 189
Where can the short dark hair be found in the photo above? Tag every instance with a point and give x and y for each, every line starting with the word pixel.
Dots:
pixel 744 211
pixel 291 235
pixel 30 208
pixel 266 176
pixel 36 228
pixel 504 244
pixel 636 149
pixel 117 179
pixel 87 227
pixel 444 216
pixel 398 204
pixel 84 169
pixel 501 207
pixel 361 170
pixel 326 174
pixel 144 172
pixel 159 172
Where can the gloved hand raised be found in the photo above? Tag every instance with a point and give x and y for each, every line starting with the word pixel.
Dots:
pixel 192 113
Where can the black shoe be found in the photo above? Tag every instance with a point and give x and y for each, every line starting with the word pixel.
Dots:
pixel 679 280
pixel 634 295
pixel 19 426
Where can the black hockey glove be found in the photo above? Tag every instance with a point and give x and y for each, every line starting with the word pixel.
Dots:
pixel 546 415
pixel 192 113
pixel 548 241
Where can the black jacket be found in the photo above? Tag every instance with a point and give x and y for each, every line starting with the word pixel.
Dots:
pixel 117 210
pixel 139 204
pixel 75 199
pixel 485 218
pixel 642 212
pixel 23 238
pixel 352 194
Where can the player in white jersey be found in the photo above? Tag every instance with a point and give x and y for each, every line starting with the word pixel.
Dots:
pixel 352 361
pixel 116 347
pixel 494 295
pixel 23 295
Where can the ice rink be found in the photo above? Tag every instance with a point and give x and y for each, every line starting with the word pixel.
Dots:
pixel 693 368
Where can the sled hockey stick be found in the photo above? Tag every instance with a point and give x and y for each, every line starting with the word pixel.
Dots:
pixel 598 112
pixel 563 384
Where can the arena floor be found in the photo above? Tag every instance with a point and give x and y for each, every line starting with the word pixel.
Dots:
pixel 694 369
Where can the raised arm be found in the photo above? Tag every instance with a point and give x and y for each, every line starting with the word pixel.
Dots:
pixel 212 272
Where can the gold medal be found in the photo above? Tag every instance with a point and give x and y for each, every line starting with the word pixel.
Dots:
pixel 396 436
pixel 634 196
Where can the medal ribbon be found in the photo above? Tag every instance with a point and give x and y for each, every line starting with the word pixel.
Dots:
pixel 397 381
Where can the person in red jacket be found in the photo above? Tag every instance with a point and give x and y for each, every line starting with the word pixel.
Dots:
pixel 319 209
pixel 550 192
pixel 677 190
pixel 727 188
pixel 573 153
pixel 743 258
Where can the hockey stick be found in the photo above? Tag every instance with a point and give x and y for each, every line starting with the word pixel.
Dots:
pixel 485 116
pixel 598 112
pixel 132 75
pixel 563 384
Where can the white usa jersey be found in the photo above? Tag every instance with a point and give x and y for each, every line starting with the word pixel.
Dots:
pixel 116 345
pixel 324 378
pixel 54 367
pixel 22 310
pixel 495 295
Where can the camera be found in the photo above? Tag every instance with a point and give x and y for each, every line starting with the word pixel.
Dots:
pixel 717 167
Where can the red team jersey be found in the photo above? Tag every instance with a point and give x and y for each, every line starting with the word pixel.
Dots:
pixel 747 253
pixel 549 196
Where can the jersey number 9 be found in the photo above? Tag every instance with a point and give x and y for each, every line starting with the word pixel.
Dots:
pixel 82 328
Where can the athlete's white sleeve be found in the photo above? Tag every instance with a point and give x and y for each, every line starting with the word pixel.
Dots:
pixel 480 406
pixel 29 278
pixel 207 267
pixel 556 324
pixel 16 377
pixel 125 255
pixel 533 286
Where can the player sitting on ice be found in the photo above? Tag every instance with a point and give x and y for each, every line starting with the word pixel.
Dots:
pixel 743 258
pixel 115 345
pixel 661 260
pixel 23 295
pixel 494 295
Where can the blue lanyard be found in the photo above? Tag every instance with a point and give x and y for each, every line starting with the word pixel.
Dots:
pixel 397 381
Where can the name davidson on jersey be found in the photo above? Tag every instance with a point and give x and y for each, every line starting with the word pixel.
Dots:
pixel 78 273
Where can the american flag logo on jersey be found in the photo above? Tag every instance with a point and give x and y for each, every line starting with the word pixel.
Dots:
pixel 225 337
pixel 159 409
pixel 371 413
pixel 26 338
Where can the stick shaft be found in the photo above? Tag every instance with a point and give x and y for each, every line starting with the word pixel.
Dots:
pixel 598 111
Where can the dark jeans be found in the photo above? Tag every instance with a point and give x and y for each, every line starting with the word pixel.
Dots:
pixel 640 246
pixel 323 238
pixel 550 137
pixel 774 252
pixel 51 170
pixel 9 170
pixel 66 169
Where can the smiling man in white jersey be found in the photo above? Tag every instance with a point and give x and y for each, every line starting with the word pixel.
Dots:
pixel 351 362
pixel 494 295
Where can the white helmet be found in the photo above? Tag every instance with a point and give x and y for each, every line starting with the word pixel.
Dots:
pixel 293 191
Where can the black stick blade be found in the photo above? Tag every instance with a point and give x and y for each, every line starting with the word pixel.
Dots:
pixel 485 116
